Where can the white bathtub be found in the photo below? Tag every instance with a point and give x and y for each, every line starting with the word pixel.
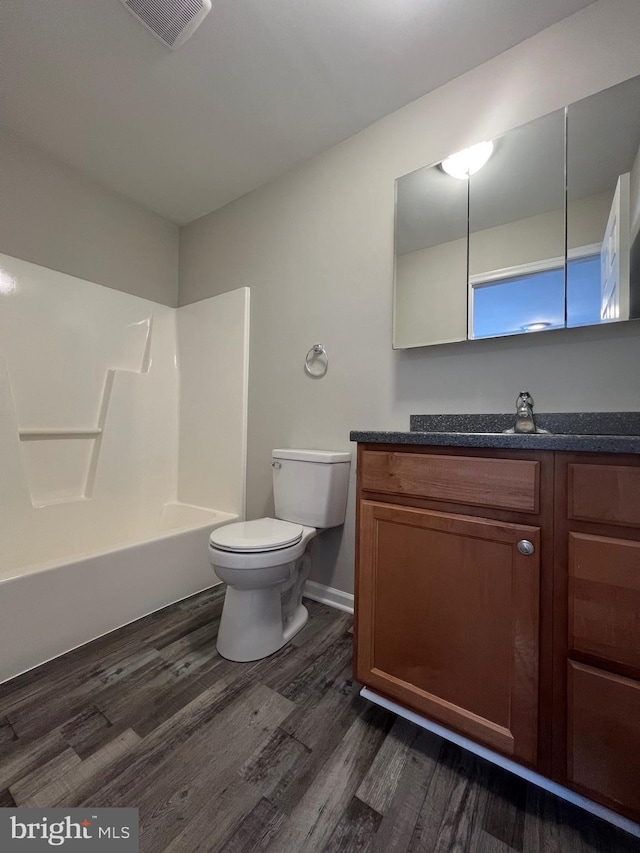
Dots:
pixel 47 609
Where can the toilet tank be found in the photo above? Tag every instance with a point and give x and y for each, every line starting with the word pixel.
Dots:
pixel 310 486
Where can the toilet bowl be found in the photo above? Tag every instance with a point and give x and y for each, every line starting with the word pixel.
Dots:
pixel 266 562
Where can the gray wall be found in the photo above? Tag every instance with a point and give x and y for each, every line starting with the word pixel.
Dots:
pixel 316 248
pixel 53 216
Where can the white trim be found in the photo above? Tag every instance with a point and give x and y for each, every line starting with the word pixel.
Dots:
pixel 506 763
pixel 584 251
pixel 493 276
pixel 330 596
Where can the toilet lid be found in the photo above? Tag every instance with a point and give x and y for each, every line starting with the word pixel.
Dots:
pixel 263 534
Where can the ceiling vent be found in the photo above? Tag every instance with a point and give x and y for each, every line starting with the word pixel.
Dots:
pixel 171 21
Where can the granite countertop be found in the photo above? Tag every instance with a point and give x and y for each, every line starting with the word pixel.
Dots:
pixel 592 432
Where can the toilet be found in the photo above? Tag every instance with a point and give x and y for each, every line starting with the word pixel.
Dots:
pixel 265 563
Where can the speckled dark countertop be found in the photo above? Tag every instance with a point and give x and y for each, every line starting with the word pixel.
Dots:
pixel 592 432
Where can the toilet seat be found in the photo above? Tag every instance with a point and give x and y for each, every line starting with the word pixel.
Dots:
pixel 259 536
pixel 257 561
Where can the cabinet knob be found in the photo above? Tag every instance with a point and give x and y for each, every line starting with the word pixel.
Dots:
pixel 525 547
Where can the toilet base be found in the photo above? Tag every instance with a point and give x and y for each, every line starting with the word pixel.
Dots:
pixel 297 623
pixel 251 625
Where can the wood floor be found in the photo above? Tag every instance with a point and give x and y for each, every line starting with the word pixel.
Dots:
pixel 280 755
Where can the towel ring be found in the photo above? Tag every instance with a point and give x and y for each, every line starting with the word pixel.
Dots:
pixel 316 361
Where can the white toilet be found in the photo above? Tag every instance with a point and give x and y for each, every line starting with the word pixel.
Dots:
pixel 266 562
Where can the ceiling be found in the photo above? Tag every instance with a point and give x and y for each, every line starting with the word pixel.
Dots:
pixel 261 86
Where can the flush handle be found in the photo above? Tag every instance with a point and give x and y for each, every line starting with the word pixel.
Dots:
pixel 276 465
pixel 525 547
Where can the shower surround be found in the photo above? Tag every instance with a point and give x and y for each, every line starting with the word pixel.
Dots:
pixel 122 445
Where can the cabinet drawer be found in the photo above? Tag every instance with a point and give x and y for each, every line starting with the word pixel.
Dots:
pixel 604 735
pixel 605 493
pixel 498 483
pixel 604 597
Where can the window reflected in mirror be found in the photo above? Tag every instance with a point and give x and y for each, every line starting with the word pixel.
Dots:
pixel 533 302
pixel 603 205
pixel 517 233
pixel 583 290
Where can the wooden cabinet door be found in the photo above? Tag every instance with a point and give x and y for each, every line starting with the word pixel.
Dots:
pixel 604 732
pixel 447 621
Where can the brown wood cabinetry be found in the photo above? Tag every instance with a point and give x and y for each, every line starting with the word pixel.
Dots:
pixel 535 655
pixel 451 613
pixel 604 733
pixel 498 483
pixel 604 493
pixel 597 532
pixel 604 598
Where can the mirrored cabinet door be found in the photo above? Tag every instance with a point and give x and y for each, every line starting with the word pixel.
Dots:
pixel 517 233
pixel 603 206
pixel 430 297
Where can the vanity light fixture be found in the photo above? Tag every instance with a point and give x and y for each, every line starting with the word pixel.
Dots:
pixel 536 327
pixel 468 161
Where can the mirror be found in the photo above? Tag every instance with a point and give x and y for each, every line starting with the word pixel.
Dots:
pixel 603 206
pixel 543 252
pixel 430 259
pixel 516 233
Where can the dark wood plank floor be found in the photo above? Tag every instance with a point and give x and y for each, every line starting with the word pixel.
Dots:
pixel 279 755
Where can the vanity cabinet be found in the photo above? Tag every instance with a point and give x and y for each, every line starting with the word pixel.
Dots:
pixel 448 587
pixel 498 594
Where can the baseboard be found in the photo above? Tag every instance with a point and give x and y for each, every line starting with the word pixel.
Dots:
pixel 329 596
pixel 512 766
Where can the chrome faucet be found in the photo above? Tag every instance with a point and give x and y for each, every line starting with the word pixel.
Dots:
pixel 524 414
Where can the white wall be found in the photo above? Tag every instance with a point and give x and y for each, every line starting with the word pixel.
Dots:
pixel 430 301
pixel 587 219
pixel 316 246
pixel 213 357
pixel 52 215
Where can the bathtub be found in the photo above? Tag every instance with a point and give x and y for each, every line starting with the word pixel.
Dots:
pixel 49 608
